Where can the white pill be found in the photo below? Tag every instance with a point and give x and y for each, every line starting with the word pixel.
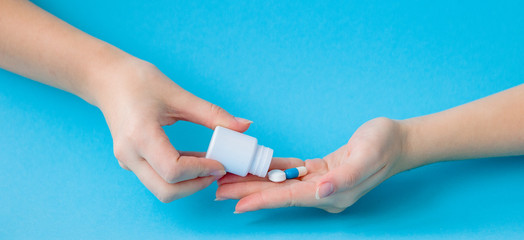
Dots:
pixel 276 175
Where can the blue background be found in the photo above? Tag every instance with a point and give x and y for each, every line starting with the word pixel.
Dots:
pixel 308 74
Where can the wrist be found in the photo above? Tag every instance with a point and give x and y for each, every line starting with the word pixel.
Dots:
pixel 108 74
pixel 411 154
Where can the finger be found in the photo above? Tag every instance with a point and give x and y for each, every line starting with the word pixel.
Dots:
pixel 300 194
pixel 193 154
pixel 167 192
pixel 233 178
pixel 285 163
pixel 199 111
pixel 170 165
pixel 343 200
pixel 242 189
pixel 192 167
pixel 355 169
pixel 276 163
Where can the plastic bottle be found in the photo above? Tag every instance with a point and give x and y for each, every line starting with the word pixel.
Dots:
pixel 239 153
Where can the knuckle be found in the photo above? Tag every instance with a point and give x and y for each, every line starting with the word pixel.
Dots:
pixel 135 135
pixel 383 120
pixel 171 173
pixel 119 150
pixel 145 70
pixel 122 165
pixel 216 110
pixel 149 67
pixel 125 142
pixel 166 196
pixel 342 205
pixel 335 210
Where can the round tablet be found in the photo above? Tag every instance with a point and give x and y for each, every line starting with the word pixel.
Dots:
pixel 276 175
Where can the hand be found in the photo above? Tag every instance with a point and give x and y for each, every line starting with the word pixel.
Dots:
pixel 333 183
pixel 137 100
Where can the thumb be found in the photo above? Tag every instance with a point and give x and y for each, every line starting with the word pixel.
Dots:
pixel 347 175
pixel 200 111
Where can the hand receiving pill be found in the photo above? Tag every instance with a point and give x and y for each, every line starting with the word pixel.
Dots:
pixel 332 183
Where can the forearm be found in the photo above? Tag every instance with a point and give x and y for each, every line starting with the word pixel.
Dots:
pixel 39 46
pixel 491 126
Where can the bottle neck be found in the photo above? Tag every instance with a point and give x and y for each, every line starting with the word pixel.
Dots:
pixel 261 161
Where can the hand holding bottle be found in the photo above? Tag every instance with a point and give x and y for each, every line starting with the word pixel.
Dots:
pixel 135 97
pixel 143 100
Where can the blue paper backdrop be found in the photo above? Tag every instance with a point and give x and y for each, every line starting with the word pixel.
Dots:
pixel 308 74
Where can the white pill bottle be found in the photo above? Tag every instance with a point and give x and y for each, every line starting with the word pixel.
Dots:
pixel 239 153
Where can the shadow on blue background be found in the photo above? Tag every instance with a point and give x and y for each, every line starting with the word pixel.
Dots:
pixel 308 74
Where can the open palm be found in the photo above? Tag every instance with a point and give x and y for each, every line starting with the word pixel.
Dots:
pixel 333 183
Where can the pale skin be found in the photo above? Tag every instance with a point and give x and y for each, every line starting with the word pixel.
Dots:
pixel 380 148
pixel 134 96
pixel 137 100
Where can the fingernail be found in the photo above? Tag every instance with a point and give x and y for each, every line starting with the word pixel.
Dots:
pixel 237 212
pixel 324 190
pixel 220 199
pixel 243 120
